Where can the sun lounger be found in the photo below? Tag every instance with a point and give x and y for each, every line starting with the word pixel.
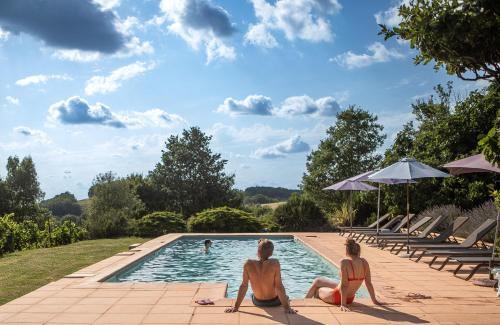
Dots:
pixel 449 253
pixel 470 241
pixel 445 235
pixel 413 228
pixel 397 230
pixel 478 261
pixel 396 239
pixel 389 226
pixel 373 225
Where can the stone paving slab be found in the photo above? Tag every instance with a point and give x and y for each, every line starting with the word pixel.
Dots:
pixel 413 293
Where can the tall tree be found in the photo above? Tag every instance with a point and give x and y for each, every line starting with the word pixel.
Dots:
pixel 446 130
pixel 462 36
pixel 349 149
pixel 22 183
pixel 189 177
pixel 112 204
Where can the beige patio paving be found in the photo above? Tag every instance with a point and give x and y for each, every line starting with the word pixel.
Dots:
pixel 414 293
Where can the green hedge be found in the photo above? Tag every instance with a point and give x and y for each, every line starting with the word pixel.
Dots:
pixel 299 214
pixel 159 223
pixel 18 236
pixel 224 220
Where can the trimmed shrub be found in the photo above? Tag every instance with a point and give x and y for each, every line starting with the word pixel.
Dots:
pixel 299 214
pixel 159 223
pixel 224 220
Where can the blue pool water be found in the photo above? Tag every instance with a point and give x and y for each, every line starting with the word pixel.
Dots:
pixel 184 261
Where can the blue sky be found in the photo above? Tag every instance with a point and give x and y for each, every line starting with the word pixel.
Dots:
pixel 87 87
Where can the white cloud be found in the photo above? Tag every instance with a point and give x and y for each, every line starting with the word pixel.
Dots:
pixel 4 35
pixel 280 150
pixel 199 23
pixel 305 105
pixel 155 117
pixel 40 78
pixel 37 135
pixel 76 110
pixel 103 85
pixel 12 100
pixel 108 4
pixel 77 55
pixel 257 133
pixel 260 36
pixel 297 19
pixel 379 53
pixel 390 17
pixel 291 106
pixel 252 105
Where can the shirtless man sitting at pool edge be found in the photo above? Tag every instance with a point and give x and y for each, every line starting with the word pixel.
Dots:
pixel 264 275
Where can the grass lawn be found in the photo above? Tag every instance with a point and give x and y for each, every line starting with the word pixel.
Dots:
pixel 25 271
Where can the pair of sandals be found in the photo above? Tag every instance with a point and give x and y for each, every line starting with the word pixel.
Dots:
pixel 204 302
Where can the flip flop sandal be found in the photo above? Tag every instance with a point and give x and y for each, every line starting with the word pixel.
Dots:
pixel 204 302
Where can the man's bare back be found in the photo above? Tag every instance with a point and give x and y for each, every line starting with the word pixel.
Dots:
pixel 262 276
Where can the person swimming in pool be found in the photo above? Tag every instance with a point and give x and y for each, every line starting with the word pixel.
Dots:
pixel 264 276
pixel 207 243
pixel 354 270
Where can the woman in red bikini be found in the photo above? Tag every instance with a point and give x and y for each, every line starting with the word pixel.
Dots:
pixel 354 270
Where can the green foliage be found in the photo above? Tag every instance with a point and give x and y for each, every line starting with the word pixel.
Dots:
pixel 223 219
pixel 341 215
pixel 490 143
pixel 350 148
pixel 23 188
pixel 258 199
pixel 159 223
pixel 276 193
pixel 444 134
pixel 18 236
pixel 300 213
pixel 189 178
pixel 112 204
pixel 63 204
pixel 462 36
pixel 108 223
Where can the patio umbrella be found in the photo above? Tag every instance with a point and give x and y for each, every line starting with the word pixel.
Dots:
pixel 476 164
pixel 364 177
pixel 350 185
pixel 407 169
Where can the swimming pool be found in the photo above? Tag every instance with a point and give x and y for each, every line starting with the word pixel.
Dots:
pixel 183 260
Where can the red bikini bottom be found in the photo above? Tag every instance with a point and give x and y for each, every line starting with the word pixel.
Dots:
pixel 337 299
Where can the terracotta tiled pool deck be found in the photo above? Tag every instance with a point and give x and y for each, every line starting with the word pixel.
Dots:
pixel 414 293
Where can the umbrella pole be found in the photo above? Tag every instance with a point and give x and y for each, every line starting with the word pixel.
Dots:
pixel 407 217
pixel 350 207
pixel 378 210
pixel 494 246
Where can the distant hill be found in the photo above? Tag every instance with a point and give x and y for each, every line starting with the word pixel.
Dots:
pixel 275 193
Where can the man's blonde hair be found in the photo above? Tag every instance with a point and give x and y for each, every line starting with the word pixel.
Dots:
pixel 265 249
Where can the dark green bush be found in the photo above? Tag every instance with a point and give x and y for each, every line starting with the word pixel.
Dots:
pixel 106 224
pixel 159 223
pixel 299 214
pixel 224 220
